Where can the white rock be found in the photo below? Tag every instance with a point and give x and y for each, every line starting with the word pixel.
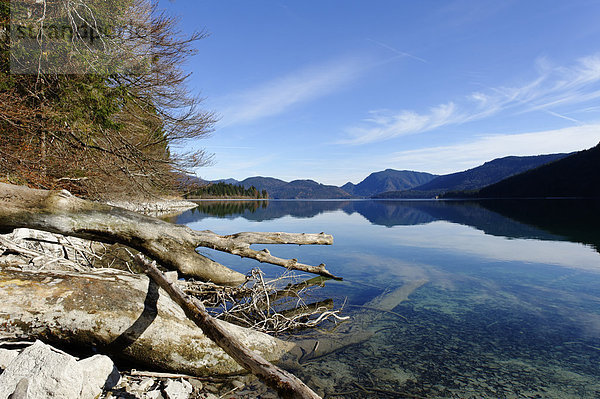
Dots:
pixel 98 372
pixel 55 375
pixel 171 276
pixel 50 374
pixel 155 208
pixel 154 395
pixel 178 389
pixel 144 385
pixel 7 356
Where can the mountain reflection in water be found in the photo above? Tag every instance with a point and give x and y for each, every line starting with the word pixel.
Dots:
pixel 558 219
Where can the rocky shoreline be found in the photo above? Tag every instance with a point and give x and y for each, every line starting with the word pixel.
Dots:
pixel 38 371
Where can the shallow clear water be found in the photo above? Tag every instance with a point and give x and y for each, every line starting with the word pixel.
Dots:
pixel 504 296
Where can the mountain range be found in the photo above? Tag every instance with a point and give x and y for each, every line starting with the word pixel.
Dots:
pixel 377 182
pixel 472 179
pixel 572 220
pixel 513 176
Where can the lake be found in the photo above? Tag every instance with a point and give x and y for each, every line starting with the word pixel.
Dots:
pixel 503 296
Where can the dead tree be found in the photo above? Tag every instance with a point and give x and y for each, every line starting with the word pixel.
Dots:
pixel 173 246
pixel 119 314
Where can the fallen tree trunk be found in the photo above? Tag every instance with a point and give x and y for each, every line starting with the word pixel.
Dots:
pixel 128 317
pixel 122 315
pixel 286 384
pixel 173 246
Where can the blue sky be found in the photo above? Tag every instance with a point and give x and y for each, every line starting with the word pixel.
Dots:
pixel 334 90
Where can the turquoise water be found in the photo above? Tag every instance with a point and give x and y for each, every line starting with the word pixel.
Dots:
pixel 503 296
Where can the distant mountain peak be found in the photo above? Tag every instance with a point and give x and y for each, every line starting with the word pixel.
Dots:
pixel 387 180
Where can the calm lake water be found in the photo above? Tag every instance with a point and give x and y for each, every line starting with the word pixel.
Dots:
pixel 504 296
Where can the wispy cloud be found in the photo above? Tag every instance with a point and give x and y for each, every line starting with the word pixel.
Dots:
pixel 555 88
pixel 280 94
pixel 458 157
pixel 398 52
pixel 382 124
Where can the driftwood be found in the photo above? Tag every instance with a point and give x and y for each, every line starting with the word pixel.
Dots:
pixel 75 310
pixel 263 305
pixel 173 246
pixel 123 315
pixel 286 384
pixel 89 309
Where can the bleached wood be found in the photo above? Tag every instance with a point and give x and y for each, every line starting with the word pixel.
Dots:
pixel 174 246
pixel 119 314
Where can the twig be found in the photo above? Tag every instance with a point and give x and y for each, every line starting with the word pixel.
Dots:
pixel 154 374
pixel 260 305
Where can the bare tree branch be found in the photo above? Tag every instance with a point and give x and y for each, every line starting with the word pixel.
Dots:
pixel 174 246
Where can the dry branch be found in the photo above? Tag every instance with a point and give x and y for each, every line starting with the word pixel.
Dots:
pixel 263 305
pixel 174 246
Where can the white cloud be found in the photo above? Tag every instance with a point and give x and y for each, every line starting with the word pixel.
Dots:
pixel 555 88
pixel 280 94
pixel 403 122
pixel 458 157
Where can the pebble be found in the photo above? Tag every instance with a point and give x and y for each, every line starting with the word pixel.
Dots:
pixel 238 384
pixel 178 389
pixel 212 388
pixel 197 384
pixel 145 385
pixel 154 395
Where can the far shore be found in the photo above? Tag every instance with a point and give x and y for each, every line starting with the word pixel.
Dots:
pixel 228 199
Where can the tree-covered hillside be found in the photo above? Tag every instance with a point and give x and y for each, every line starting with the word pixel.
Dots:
pixel 297 189
pixel 92 97
pixel 575 176
pixel 387 180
